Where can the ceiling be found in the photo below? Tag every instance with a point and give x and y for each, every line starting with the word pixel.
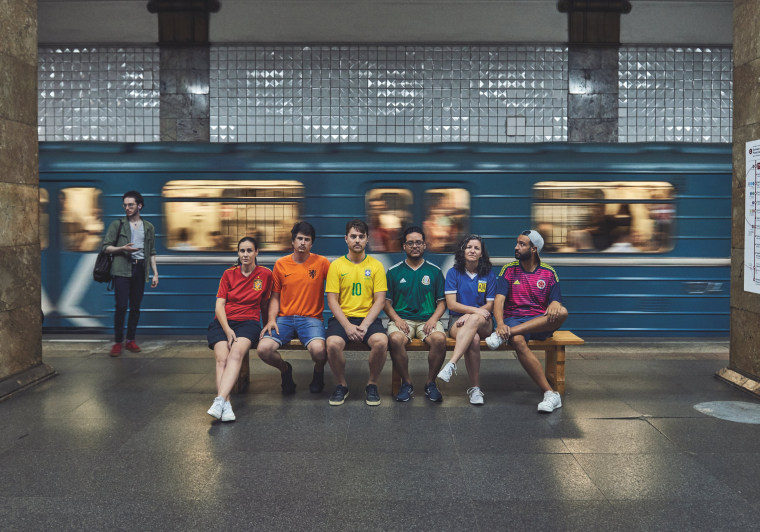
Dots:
pixel 702 22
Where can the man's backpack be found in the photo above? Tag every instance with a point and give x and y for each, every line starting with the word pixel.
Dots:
pixel 102 270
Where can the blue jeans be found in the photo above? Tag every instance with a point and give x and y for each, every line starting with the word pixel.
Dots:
pixel 129 292
pixel 304 328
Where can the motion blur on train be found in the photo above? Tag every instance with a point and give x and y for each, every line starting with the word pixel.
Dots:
pixel 639 234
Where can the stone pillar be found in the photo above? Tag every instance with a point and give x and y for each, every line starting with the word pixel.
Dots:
pixel 593 41
pixel 744 356
pixel 20 314
pixel 184 65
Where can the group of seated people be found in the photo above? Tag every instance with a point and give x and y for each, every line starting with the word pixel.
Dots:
pixel 522 302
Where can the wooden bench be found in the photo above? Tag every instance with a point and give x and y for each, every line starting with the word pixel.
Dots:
pixel 554 366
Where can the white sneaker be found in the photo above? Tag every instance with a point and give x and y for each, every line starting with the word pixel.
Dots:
pixel 551 401
pixel 227 413
pixel 494 341
pixel 476 396
pixel 448 370
pixel 216 408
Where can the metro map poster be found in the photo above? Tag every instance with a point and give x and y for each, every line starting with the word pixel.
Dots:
pixel 752 218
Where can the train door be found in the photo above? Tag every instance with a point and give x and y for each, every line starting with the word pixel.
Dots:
pixel 71 233
pixel 441 208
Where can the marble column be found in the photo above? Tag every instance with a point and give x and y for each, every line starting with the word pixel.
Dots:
pixel 744 358
pixel 20 315
pixel 592 96
pixel 184 64
pixel 593 42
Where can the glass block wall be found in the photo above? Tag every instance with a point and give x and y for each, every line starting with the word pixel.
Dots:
pixel 388 93
pixel 675 94
pixel 92 93
pixel 384 94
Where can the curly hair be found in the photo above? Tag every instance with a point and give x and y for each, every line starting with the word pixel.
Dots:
pixel 484 262
pixel 305 228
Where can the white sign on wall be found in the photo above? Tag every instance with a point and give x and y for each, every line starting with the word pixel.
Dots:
pixel 752 218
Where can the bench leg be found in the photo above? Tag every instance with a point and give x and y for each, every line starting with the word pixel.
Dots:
pixel 555 367
pixel 244 377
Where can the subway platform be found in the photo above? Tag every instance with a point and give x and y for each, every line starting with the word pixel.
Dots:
pixel 126 444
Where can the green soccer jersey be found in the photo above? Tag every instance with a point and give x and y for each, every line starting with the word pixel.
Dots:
pixel 415 293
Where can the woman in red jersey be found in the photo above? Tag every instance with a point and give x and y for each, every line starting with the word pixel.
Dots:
pixel 241 300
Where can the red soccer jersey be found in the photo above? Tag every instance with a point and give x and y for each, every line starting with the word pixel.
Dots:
pixel 245 295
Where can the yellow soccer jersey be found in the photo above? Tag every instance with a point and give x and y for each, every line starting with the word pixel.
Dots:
pixel 356 284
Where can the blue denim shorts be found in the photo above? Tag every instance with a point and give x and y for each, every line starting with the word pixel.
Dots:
pixel 304 328
pixel 516 320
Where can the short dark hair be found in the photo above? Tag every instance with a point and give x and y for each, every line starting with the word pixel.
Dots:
pixel 305 228
pixel 134 194
pixel 359 225
pixel 412 229
pixel 250 239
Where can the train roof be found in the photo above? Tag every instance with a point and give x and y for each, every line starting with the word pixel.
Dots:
pixel 364 157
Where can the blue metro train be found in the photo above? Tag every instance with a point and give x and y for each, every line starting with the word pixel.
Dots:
pixel 638 233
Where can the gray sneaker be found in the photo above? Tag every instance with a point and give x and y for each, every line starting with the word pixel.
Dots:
pixel 447 371
pixel 552 400
pixel 216 408
pixel 476 396
pixel 227 413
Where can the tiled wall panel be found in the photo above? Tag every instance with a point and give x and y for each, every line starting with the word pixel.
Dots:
pixel 92 93
pixel 384 94
pixel 388 93
pixel 675 94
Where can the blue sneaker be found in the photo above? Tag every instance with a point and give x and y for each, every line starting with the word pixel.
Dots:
pixel 405 393
pixel 432 392
pixel 373 395
pixel 339 396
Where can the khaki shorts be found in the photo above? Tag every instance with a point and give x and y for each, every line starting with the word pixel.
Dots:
pixel 415 328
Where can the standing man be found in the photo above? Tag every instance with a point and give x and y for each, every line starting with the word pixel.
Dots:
pixel 295 308
pixel 528 304
pixel 414 304
pixel 356 287
pixel 132 242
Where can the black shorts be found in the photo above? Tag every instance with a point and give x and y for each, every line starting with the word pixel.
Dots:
pixel 246 329
pixel 334 328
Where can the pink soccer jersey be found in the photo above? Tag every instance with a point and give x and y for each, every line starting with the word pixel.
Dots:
pixel 528 293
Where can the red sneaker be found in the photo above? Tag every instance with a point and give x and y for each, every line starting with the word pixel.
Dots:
pixel 116 350
pixel 132 346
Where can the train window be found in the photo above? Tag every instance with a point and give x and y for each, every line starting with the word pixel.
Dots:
pixel 388 211
pixel 213 215
pixel 44 219
pixel 447 212
pixel 81 218
pixel 608 217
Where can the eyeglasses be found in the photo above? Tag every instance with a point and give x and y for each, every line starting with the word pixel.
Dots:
pixel 414 243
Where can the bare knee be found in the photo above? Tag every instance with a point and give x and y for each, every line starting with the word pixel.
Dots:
pixel 266 349
pixel 378 342
pixel 436 341
pixel 335 345
pixel 397 341
pixel 317 350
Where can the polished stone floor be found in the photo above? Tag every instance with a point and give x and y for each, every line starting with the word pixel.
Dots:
pixel 126 444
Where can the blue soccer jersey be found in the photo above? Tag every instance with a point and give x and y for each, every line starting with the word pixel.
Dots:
pixel 473 291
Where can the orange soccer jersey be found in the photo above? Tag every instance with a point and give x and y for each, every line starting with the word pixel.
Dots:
pixel 301 286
